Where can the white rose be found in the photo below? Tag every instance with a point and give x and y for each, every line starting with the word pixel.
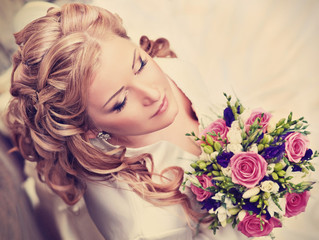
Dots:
pixel 269 186
pixel 234 147
pixel 226 171
pixel 272 207
pixel 253 148
pixel 235 125
pixel 234 136
pixel 270 168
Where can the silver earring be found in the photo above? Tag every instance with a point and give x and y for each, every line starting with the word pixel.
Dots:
pixel 103 136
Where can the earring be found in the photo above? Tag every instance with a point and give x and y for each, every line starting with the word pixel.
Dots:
pixel 103 136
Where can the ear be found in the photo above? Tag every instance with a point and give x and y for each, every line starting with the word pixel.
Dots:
pixel 90 134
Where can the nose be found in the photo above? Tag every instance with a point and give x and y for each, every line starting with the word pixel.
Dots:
pixel 148 94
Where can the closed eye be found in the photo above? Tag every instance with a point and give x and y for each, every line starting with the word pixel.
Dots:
pixel 142 65
pixel 119 106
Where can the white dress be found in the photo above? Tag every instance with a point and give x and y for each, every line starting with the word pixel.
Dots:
pixel 120 214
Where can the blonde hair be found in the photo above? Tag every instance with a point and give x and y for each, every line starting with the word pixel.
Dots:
pixel 52 69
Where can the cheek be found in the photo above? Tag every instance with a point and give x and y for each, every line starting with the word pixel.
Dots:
pixel 155 74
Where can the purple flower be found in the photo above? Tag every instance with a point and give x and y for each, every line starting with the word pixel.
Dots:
pixel 296 168
pixel 237 195
pixel 308 155
pixel 274 152
pixel 209 203
pixel 228 116
pixel 248 206
pixel 224 158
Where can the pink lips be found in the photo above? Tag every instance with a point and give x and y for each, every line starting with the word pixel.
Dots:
pixel 162 108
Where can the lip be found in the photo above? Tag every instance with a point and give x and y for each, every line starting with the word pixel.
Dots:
pixel 162 108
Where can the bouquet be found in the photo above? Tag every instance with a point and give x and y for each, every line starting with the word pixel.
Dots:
pixel 253 171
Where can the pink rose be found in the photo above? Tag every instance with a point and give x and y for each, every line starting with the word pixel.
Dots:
pixel 201 194
pixel 296 203
pixel 250 225
pixel 263 120
pixel 296 146
pixel 218 126
pixel 248 168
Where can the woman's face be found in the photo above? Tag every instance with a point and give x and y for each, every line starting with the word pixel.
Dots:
pixel 130 95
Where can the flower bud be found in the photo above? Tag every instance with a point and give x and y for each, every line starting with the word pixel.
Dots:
pixel 209 140
pixel 194 165
pixel 241 215
pixel 289 117
pixel 251 192
pixel 202 165
pixel 215 166
pixel 274 176
pixel 233 211
pixel 254 199
pixel 278 167
pixel 279 131
pixel 241 109
pixel 260 147
pixel 286 126
pixel 307 183
pixel 266 202
pixel 280 122
pixel 221 178
pixel 281 173
pixel 299 125
pixel 217 146
pixel 208 149
pixel 281 180
pixel 266 195
pixel 234 110
pixel 304 170
pixel 311 167
pixel 266 139
pixel 193 180
pixel 216 173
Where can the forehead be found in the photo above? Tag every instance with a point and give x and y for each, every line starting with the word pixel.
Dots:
pixel 115 68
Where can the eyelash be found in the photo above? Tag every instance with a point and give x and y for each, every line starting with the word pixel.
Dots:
pixel 143 63
pixel 119 106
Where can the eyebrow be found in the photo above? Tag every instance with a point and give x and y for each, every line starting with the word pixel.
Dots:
pixel 113 96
